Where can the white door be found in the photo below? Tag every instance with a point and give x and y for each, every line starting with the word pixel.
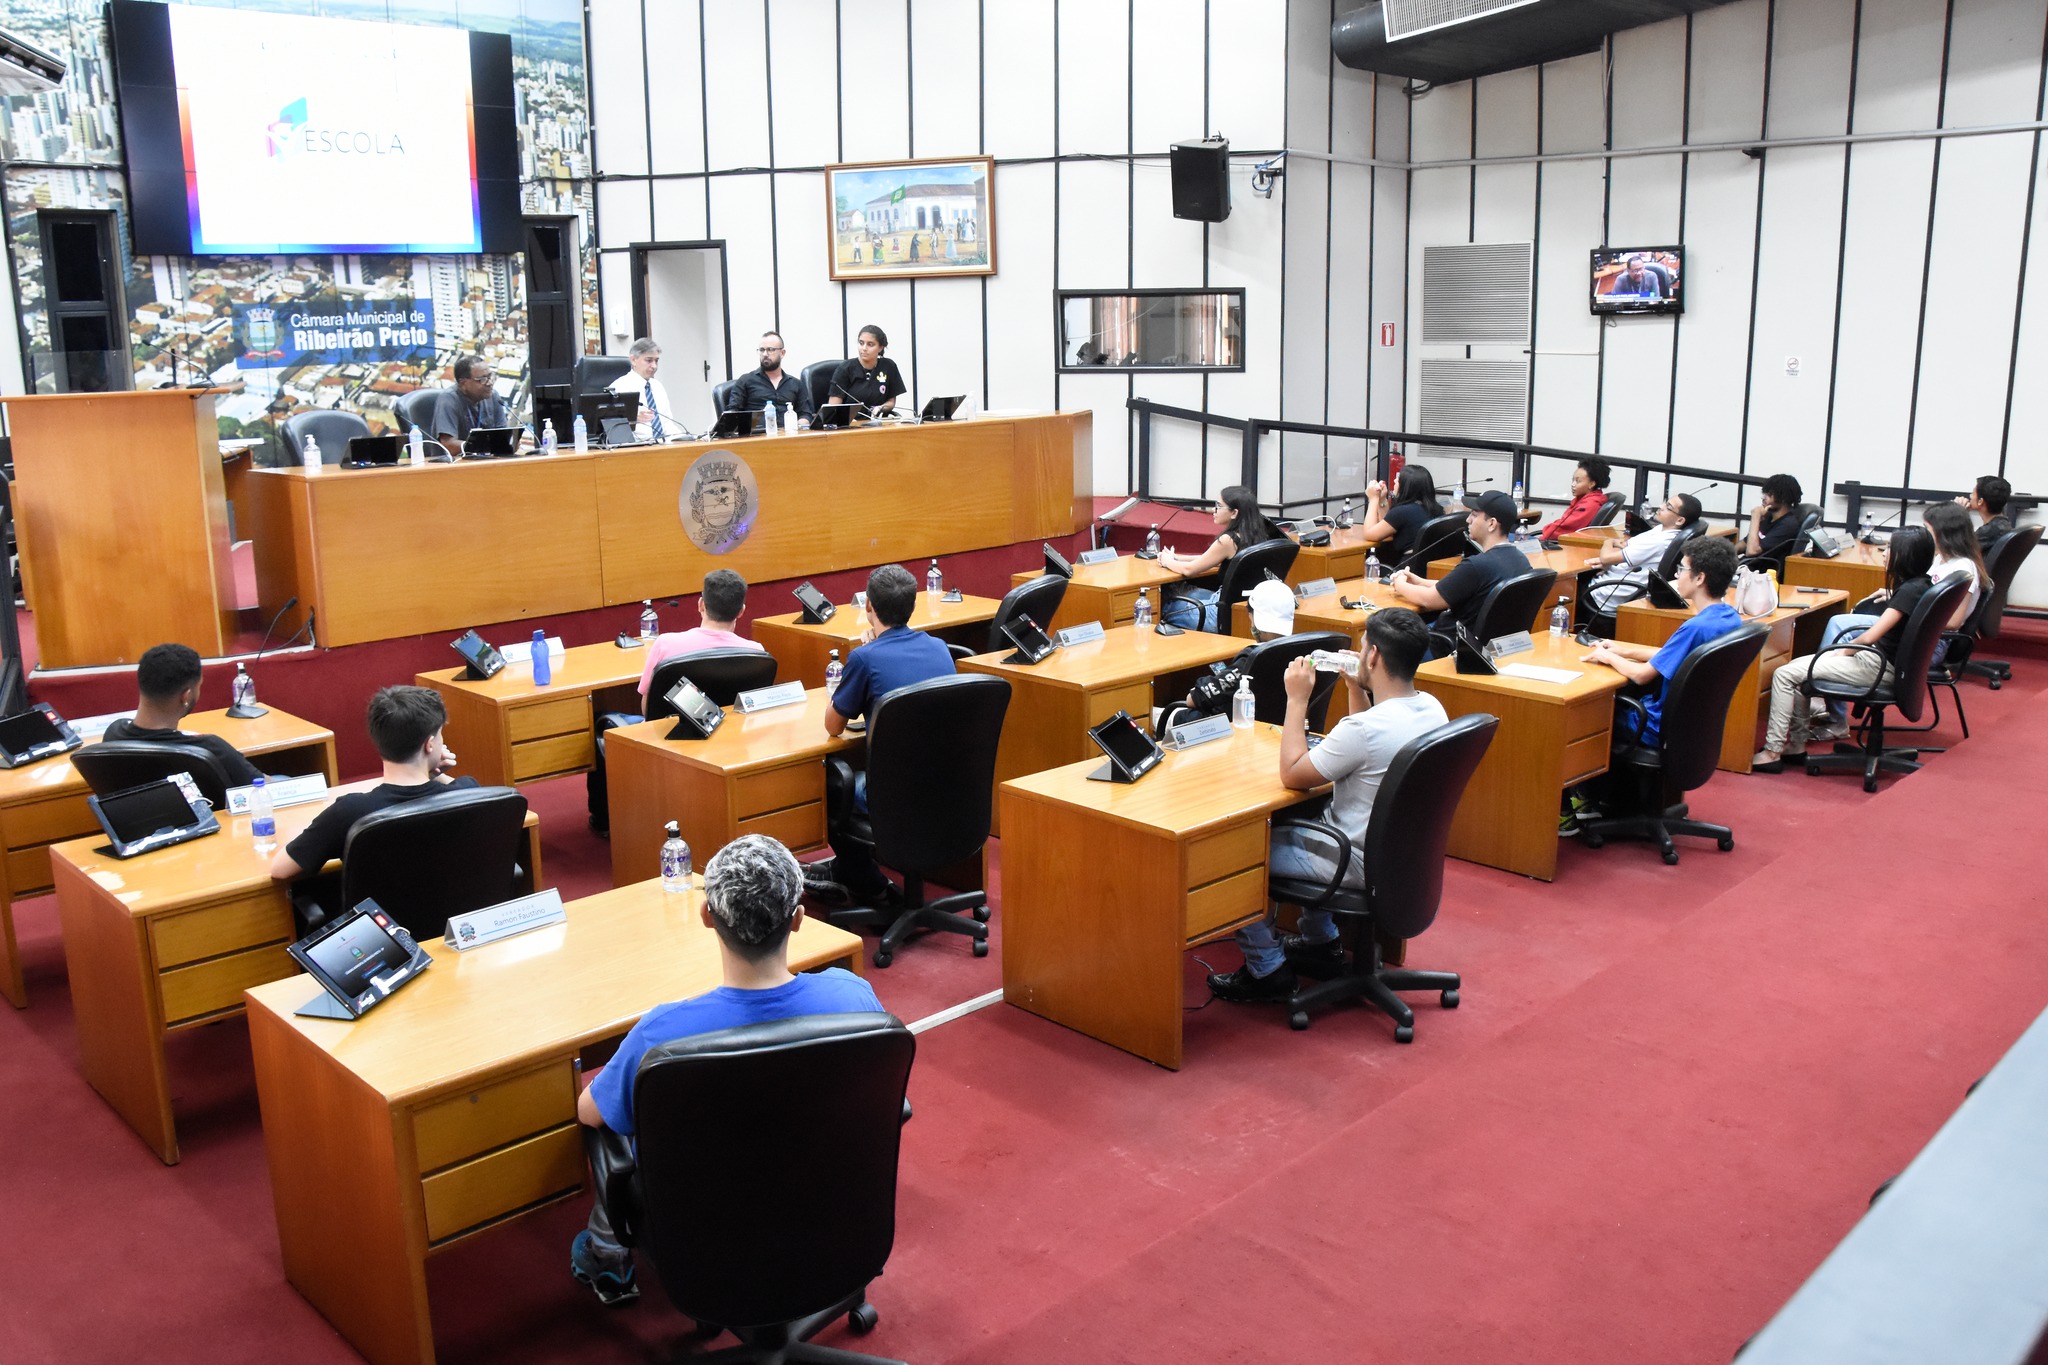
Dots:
pixel 683 300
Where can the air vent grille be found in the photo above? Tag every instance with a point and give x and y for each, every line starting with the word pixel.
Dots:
pixel 1406 18
pixel 1476 294
pixel 1486 400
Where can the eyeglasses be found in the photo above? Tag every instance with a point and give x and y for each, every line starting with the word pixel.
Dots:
pixel 769 350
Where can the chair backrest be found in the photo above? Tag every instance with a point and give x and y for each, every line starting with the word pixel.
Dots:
pixel 1675 551
pixel 447 853
pixel 721 395
pixel 1411 822
pixel 1247 569
pixel 1038 599
pixel 815 1101
pixel 1917 640
pixel 1695 707
pixel 416 409
pixel 596 373
pixel 333 430
pixel 1609 510
pixel 720 674
pixel 1267 669
pixel 1512 606
pixel 115 765
pixel 932 769
pixel 817 377
pixel 2002 565
pixel 1439 538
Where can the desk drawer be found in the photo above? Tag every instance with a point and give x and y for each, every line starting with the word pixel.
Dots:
pixel 799 828
pixel 778 789
pixel 28 871
pixel 510 1178
pixel 1231 850
pixel 1225 902
pixel 537 758
pixel 48 822
pixel 1135 698
pixel 560 716
pixel 255 921
pixel 460 1127
pixel 194 992
pixel 1583 758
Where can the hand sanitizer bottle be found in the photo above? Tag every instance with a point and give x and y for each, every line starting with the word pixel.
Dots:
pixel 311 453
pixel 547 437
pixel 1244 707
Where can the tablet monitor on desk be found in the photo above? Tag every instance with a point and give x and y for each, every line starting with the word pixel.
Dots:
pixel 737 423
pixel 370 452
pixel 600 410
pixel 483 659
pixel 154 815
pixel 1056 563
pixel 833 416
pixel 942 409
pixel 359 959
pixel 36 733
pixel 1033 645
pixel 1131 751
pixel 697 716
pixel 492 441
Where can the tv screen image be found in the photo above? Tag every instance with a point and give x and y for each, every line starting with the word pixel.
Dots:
pixel 1638 279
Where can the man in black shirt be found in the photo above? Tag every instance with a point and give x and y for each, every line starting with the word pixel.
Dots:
pixel 1774 522
pixel 168 680
pixel 1492 517
pixel 405 725
pixel 792 398
pixel 1987 499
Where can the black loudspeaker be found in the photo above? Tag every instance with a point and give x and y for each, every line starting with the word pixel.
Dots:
pixel 1201 180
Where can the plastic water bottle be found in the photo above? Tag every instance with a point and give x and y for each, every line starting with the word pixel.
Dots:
pixel 1869 536
pixel 242 691
pixel 1560 620
pixel 1344 516
pixel 311 453
pixel 542 673
pixel 834 671
pixel 768 423
pixel 580 430
pixel 675 861
pixel 1334 661
pixel 416 448
pixel 934 581
pixel 650 624
pixel 1152 539
pixel 262 819
pixel 1373 572
pixel 547 437
pixel 1244 707
pixel 1518 493
pixel 1141 611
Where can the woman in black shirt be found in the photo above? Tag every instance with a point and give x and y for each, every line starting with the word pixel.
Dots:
pixel 1414 504
pixel 870 378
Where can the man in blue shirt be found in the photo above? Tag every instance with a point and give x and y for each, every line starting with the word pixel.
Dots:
pixel 752 892
pixel 890 655
pixel 1704 573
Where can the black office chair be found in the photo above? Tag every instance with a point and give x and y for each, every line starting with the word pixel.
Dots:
pixel 720 674
pixel 1609 510
pixel 1267 668
pixel 332 430
pixel 1038 599
pixel 2001 566
pixel 1439 538
pixel 115 765
pixel 1695 714
pixel 931 786
pixel 817 377
pixel 721 396
pixel 818 1100
pixel 1404 871
pixel 444 854
pixel 596 373
pixel 1247 569
pixel 1808 517
pixel 1507 607
pixel 416 409
pixel 1598 614
pixel 1902 688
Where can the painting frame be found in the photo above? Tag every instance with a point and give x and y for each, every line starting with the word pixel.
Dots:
pixel 879 209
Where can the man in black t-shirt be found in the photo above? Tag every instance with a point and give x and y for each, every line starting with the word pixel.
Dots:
pixel 405 725
pixel 1462 591
pixel 168 681
pixel 770 383
pixel 1774 522
pixel 1987 498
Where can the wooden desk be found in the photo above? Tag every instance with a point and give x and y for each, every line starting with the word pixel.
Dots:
pixel 1107 592
pixel 371 551
pixel 758 774
pixel 1857 571
pixel 505 730
pixel 801 651
pixel 44 804
pixel 1053 704
pixel 1105 886
pixel 1568 564
pixel 1593 537
pixel 1343 557
pixel 168 941
pixel 1551 735
pixel 1796 628
pixel 452 1106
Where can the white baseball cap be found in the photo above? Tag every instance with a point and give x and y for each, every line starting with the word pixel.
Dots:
pixel 1271 604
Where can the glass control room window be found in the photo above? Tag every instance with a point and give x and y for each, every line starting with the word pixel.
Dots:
pixel 1151 329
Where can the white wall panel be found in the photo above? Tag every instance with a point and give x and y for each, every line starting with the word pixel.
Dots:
pixel 1094 77
pixel 809 317
pixel 945 80
pixel 2026 455
pixel 675 87
pixel 1169 254
pixel 1506 122
pixel 1566 370
pixel 1166 101
pixel 739 216
pixel 1994 62
pixel 1094 226
pixel 678 211
pixel 1176 445
pixel 874 98
pixel 1795 312
pixel 1247 36
pixel 1574 114
pixel 1387 365
pixel 1440 124
pixel 1240 253
pixel 736 83
pixel 1351 97
pixel 804 82
pixel 1017 77
pixel 615 293
pixel 618 106
pixel 1810 50
pixel 1880 308
pixel 1353 329
pixel 948 334
pixel 1309 66
pixel 1727 79
pixel 1103 394
pixel 1649 85
pixel 1713 335
pixel 884 304
pixel 1898 64
pixel 621 212
pixel 1306 301
pixel 1020 337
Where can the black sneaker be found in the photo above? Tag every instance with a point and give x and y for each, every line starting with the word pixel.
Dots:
pixel 1242 988
pixel 1320 960
pixel 612 1284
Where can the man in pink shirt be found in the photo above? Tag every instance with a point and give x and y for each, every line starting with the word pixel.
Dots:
pixel 720 604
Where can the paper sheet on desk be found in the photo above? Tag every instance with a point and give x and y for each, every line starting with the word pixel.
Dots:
pixel 1536 673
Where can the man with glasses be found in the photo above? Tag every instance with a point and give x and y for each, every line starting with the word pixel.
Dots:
pixel 656 420
pixel 770 384
pixel 1627 562
pixel 470 404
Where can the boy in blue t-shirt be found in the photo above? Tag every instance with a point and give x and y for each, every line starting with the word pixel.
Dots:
pixel 1704 573
pixel 752 889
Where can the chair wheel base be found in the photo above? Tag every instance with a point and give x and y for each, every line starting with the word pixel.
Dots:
pixel 1449 1000
pixel 1404 1033
pixel 1670 857
pixel 981 947
pixel 1592 840
pixel 883 959
pixel 1726 844
pixel 862 1319
pixel 1298 1021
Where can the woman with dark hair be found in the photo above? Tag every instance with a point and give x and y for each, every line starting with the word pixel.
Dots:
pixel 1239 524
pixel 869 378
pixel 1589 495
pixel 1401 520
pixel 1906 582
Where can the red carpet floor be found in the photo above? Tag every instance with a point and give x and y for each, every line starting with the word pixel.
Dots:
pixel 1669 1091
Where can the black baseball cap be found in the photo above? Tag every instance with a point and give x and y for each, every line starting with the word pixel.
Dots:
pixel 1497 505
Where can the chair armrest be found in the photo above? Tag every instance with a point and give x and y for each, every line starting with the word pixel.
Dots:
pixel 906 1108
pixel 613 1170
pixel 1624 702
pixel 838 791
pixel 1868 693
pixel 1345 854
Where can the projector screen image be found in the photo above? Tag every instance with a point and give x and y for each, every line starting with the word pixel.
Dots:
pixel 273 134
pixel 1638 279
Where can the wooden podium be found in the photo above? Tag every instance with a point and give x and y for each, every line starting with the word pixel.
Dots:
pixel 121 517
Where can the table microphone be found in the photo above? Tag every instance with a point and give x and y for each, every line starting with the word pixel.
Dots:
pixel 238 711
pixel 1870 530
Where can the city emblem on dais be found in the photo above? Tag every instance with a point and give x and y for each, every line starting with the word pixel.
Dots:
pixel 719 501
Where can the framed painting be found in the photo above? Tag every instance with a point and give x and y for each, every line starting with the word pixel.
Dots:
pixel 907 220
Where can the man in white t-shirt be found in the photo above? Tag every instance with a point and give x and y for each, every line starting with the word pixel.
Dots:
pixel 656 420
pixel 1355 756
pixel 1627 563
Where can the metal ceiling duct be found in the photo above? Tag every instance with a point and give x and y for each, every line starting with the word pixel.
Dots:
pixel 1454 40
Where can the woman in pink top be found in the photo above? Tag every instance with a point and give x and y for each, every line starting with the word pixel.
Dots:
pixel 719 607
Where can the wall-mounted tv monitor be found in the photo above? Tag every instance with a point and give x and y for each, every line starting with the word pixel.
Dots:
pixel 264 135
pixel 1638 279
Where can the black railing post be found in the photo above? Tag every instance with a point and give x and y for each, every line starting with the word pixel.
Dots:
pixel 1382 460
pixel 1142 484
pixel 1248 473
pixel 1642 486
pixel 1853 490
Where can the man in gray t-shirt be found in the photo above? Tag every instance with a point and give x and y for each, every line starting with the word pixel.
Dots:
pixel 469 404
pixel 1354 756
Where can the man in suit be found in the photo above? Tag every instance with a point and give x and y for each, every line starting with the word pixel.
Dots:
pixel 656 420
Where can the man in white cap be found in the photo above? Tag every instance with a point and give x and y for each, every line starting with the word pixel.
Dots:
pixel 1271 605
